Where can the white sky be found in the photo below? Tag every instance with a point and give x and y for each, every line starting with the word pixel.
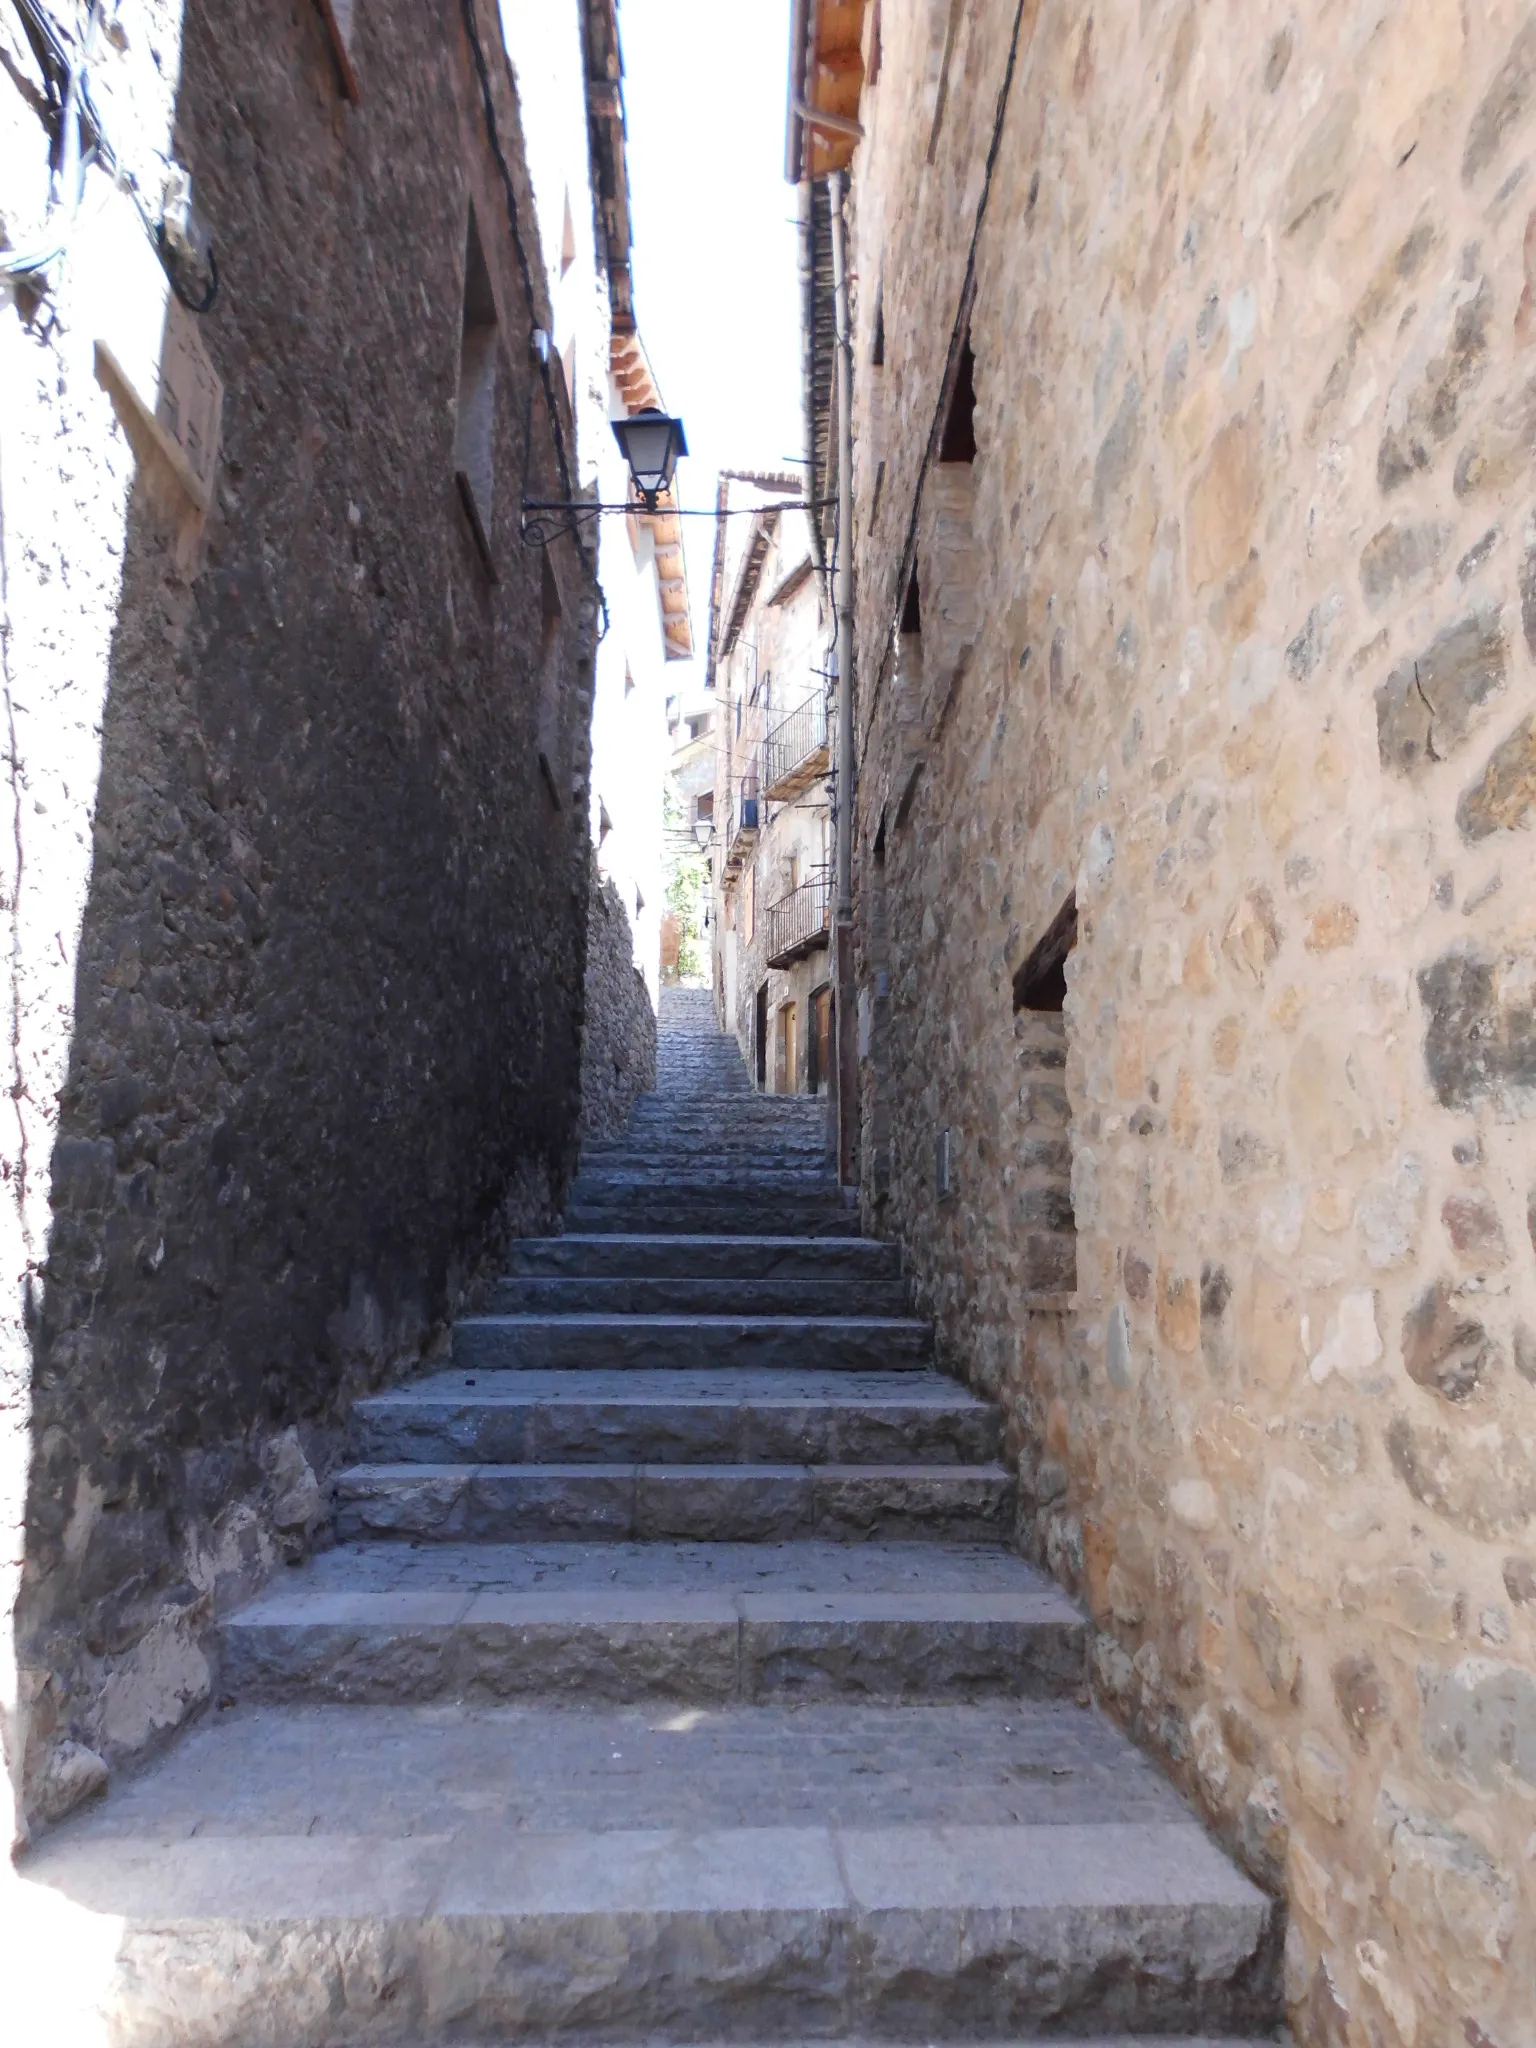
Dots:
pixel 715 246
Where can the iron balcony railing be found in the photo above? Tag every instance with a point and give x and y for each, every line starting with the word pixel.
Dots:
pixel 794 754
pixel 799 922
pixel 741 834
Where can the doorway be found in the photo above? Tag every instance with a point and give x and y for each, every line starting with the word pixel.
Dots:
pixel 760 1038
pixel 787 1076
pixel 818 1060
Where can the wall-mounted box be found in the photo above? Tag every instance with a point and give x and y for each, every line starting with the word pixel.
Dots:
pixel 153 352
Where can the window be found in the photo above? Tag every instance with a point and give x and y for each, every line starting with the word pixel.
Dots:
pixel 474 434
pixel 1041 982
pixel 338 15
pixel 704 806
pixel 549 682
pixel 877 345
pixel 567 237
pixel 959 442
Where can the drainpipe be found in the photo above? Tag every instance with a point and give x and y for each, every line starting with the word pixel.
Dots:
pixel 846 994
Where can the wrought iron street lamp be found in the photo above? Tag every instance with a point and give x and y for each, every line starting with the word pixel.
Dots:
pixel 650 442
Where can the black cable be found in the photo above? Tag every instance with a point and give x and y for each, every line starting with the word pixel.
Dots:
pixel 172 270
pixel 472 30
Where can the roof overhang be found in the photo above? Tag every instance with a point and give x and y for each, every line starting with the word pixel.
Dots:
pixel 630 370
pixel 826 83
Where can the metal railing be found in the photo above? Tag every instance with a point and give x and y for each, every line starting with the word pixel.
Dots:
pixel 799 922
pixel 795 753
pixel 741 831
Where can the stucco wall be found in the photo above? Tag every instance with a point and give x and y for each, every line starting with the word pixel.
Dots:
pixel 296 925
pixel 1231 627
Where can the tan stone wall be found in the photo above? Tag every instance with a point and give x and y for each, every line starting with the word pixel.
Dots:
pixel 1231 628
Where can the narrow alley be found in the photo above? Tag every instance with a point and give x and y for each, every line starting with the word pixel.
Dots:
pixel 769 965
pixel 672 1674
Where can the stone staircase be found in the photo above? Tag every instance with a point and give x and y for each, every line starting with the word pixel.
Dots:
pixel 672 1678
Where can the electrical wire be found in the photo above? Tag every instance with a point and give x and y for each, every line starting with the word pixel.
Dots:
pixel 59 56
pixel 68 184
pixel 525 268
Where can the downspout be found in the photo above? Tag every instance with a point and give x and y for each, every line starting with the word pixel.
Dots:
pixel 847 999
pixel 813 480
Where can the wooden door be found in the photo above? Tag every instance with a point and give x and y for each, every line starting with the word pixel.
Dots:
pixel 819 1051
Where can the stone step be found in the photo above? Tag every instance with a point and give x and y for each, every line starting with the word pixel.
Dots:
pixel 681 1342
pixel 843 1295
pixel 614 1255
pixel 703 1624
pixel 614 1183
pixel 730 1416
pixel 725 1503
pixel 735 1156
pixel 798 1113
pixel 710 1215
pixel 308 1875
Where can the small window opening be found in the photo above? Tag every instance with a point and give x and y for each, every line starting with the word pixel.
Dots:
pixel 877 345
pixel 338 16
pixel 475 422
pixel 549 681
pixel 959 442
pixel 1041 982
pixel 879 845
pixel 704 806
pixel 911 608
pixel 567 237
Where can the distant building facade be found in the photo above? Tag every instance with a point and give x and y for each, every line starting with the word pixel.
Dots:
pixel 770 634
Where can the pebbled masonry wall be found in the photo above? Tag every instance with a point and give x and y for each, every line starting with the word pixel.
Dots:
pixel 297 924
pixel 1231 628
pixel 618 1047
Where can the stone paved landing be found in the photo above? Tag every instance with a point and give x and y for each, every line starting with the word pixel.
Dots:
pixel 609 1740
pixel 538 1869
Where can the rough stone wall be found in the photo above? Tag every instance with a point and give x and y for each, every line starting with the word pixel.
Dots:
pixel 1246 657
pixel 296 926
pixel 618 1046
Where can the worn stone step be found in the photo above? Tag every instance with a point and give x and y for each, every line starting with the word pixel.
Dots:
pixel 843 1295
pixel 734 1503
pixel 614 1184
pixel 730 1114
pixel 679 1256
pixel 307 1875
pixel 735 1414
pixel 625 1156
pixel 711 1215
pixel 680 1342
pixel 700 1624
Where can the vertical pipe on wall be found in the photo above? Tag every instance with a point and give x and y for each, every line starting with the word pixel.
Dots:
pixel 847 1068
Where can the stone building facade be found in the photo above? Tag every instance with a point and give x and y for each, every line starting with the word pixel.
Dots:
pixel 296 911
pixel 1194 421
pixel 768 661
